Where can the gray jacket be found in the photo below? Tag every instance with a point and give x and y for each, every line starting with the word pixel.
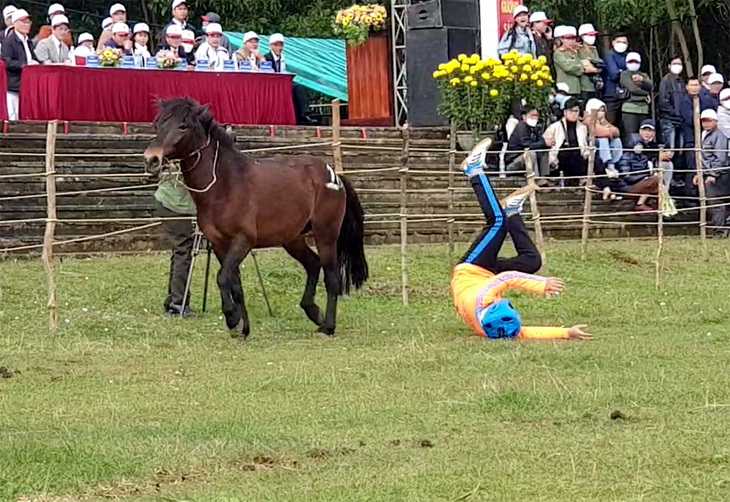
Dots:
pixel 517 39
pixel 47 51
pixel 714 153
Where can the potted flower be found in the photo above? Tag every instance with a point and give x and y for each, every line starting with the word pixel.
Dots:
pixel 110 58
pixel 477 95
pixel 167 60
pixel 358 21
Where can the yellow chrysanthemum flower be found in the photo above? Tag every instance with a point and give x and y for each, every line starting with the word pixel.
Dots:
pixel 527 68
pixel 455 82
pixel 473 84
pixel 461 57
pixel 486 76
pixel 442 66
pixel 468 79
pixel 524 77
pixel 465 67
pixel 494 93
pixel 515 69
pixel 539 83
pixel 542 59
pixel 534 77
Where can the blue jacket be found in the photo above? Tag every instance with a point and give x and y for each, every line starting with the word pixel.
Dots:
pixel 671 92
pixel 634 166
pixel 613 65
pixel 709 97
pixel 688 125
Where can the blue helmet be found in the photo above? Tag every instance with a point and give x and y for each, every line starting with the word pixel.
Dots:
pixel 500 320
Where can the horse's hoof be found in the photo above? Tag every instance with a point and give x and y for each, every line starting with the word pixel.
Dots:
pixel 326 331
pixel 240 331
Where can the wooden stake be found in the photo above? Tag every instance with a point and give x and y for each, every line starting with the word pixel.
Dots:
pixel 539 238
pixel 700 175
pixel 403 213
pixel 452 166
pixel 587 204
pixel 660 226
pixel 336 144
pixel 51 218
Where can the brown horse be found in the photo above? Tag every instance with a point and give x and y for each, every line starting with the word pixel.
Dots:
pixel 244 204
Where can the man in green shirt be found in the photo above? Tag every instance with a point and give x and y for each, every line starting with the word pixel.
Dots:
pixel 173 201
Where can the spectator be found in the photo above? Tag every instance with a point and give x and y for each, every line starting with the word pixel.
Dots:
pixel 120 39
pixel 212 49
pixel 705 73
pixel 639 164
pixel 715 82
pixel 250 50
pixel 188 41
pixel 84 48
pixel 615 63
pixel 276 56
pixel 45 31
pixel 591 82
pixel 607 137
pixel 278 63
pixel 518 37
pixel 7 17
pixel 568 138
pixel 528 135
pixel 118 14
pixel 671 92
pixel 53 50
pixel 694 88
pixel 714 167
pixel 723 113
pixel 179 17
pixel 568 66
pixel 542 36
pixel 141 33
pixel 17 52
pixel 635 109
pixel 212 17
pixel 173 42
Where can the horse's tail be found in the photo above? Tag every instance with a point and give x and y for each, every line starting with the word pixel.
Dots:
pixel 351 242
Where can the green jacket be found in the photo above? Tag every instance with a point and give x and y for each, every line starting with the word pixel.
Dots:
pixel 172 194
pixel 640 98
pixel 591 54
pixel 568 70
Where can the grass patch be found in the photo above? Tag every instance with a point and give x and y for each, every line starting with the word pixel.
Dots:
pixel 404 404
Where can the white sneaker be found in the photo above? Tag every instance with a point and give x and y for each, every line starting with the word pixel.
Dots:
pixel 515 201
pixel 611 172
pixel 477 157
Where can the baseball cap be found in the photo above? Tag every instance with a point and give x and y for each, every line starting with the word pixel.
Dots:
pixel 716 78
pixel 85 37
pixel 276 38
pixel 8 11
pixel 633 57
pixel 174 31
pixel 106 23
pixel 213 29
pixel 563 87
pixel 141 28
pixel 56 8
pixel 120 29
pixel 188 36
pixel 249 35
pixel 520 9
pixel 724 94
pixel 211 17
pixel 708 68
pixel 59 20
pixel 117 7
pixel 709 115
pixel 19 15
pixel 587 29
pixel 538 17
pixel 648 124
pixel 178 3
pixel 564 31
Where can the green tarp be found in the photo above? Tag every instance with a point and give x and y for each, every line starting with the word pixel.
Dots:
pixel 319 63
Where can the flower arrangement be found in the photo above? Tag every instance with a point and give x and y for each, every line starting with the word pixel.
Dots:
pixel 167 60
pixel 477 95
pixel 110 57
pixel 356 22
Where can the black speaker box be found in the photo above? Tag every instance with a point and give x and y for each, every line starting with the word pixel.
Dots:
pixel 429 14
pixel 426 49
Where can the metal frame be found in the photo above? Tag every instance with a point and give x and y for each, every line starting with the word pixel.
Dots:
pixel 398 26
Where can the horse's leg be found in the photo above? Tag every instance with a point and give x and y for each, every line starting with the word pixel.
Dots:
pixel 299 250
pixel 328 258
pixel 244 327
pixel 229 282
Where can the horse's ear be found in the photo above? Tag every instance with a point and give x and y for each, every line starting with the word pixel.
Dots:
pixel 200 110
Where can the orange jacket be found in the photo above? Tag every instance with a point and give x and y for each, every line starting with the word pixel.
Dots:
pixel 473 287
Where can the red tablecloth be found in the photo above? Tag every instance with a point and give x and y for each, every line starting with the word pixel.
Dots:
pixel 3 90
pixel 126 95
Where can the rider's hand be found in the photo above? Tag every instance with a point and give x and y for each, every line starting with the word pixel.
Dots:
pixel 554 286
pixel 577 333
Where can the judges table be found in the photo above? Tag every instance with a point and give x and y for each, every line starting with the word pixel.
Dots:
pixel 55 92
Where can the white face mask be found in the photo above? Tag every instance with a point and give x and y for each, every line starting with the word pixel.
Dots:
pixel 531 122
pixel 676 69
pixel 589 39
pixel 620 47
pixel 725 104
pixel 551 98
pixel 187 47
pixel 633 66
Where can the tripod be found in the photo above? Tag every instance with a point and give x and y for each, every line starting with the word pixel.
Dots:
pixel 197 243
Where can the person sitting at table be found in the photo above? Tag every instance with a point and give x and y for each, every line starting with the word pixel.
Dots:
pixel 83 49
pixel 53 50
pixel 118 14
pixel 17 52
pixel 47 29
pixel 249 51
pixel 173 42
pixel 120 38
pixel 188 41
pixel 278 63
pixel 212 17
pixel 212 50
pixel 7 15
pixel 141 40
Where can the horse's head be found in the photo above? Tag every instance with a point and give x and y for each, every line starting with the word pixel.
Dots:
pixel 182 127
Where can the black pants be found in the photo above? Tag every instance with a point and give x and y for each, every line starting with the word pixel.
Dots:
pixel 631 122
pixel 716 194
pixel 179 235
pixel 484 251
pixel 613 111
pixel 301 103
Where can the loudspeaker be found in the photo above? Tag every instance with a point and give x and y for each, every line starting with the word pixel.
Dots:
pixel 426 49
pixel 428 14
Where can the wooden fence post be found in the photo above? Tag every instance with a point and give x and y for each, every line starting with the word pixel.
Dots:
pixel 403 213
pixel 660 224
pixel 336 142
pixel 700 176
pixel 539 238
pixel 452 166
pixel 588 202
pixel 51 217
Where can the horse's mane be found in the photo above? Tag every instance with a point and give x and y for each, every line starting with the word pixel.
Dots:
pixel 190 112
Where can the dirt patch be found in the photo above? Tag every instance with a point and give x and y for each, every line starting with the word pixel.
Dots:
pixel 6 373
pixel 618 415
pixel 320 454
pixel 427 443
pixel 265 463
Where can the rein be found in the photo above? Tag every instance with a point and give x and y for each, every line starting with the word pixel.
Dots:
pixel 199 153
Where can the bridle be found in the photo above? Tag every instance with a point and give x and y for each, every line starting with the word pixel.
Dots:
pixel 199 153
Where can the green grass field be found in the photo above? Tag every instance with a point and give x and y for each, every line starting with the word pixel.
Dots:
pixel 404 404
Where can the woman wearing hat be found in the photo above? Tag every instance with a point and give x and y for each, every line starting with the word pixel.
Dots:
pixel 590 82
pixel 141 33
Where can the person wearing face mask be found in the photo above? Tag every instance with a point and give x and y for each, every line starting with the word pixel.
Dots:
pixel 518 38
pixel 591 82
pixel 723 113
pixel 635 109
pixel 671 91
pixel 543 38
pixel 714 166
pixel 608 140
pixel 705 73
pixel 615 63
pixel 569 68
pixel 528 136
pixel 569 152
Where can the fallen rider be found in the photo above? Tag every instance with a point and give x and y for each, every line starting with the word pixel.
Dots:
pixel 481 278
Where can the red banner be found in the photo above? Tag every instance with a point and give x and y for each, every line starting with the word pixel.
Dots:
pixel 504 14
